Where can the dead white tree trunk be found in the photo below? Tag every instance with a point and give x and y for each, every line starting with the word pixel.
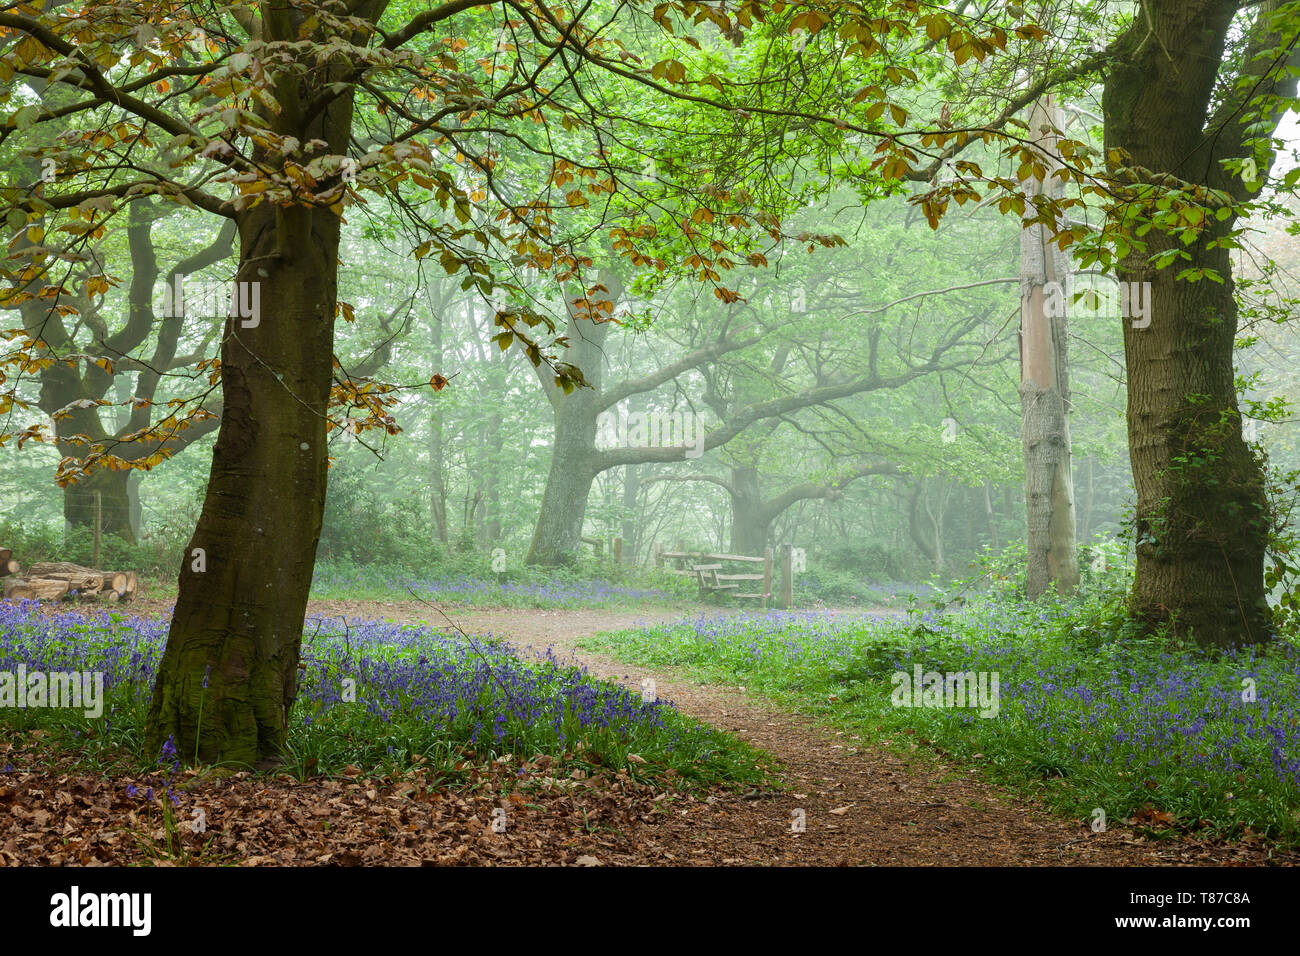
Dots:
pixel 1045 386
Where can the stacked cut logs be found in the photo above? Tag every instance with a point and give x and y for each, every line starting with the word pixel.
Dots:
pixel 56 580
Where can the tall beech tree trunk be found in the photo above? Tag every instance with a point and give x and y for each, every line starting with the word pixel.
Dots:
pixel 240 613
pixel 923 544
pixel 496 454
pixel 574 458
pixel 237 625
pixel 1045 391
pixel 1201 516
pixel 749 521
pixel 632 512
pixel 1085 526
pixel 632 515
pixel 988 514
pixel 568 483
pixel 437 458
pixel 935 509
pixel 494 462
pixel 134 509
pixel 114 503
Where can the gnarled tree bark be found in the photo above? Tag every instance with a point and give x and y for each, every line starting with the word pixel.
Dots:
pixel 1202 518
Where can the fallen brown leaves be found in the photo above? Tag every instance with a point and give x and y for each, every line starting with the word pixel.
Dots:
pixel 56 816
pixel 66 818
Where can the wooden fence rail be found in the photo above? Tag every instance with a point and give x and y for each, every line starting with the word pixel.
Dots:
pixel 615 547
pixel 707 568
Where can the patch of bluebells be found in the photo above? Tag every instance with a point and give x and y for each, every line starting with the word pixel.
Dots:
pixel 413 684
pixel 1141 704
pixel 1098 704
pixel 470 688
pixel 126 649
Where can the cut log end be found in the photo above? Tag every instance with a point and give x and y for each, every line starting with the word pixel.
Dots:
pixel 54 580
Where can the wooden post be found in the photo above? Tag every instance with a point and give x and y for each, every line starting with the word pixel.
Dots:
pixel 787 576
pixel 681 549
pixel 98 522
pixel 618 550
pixel 659 554
pixel 767 577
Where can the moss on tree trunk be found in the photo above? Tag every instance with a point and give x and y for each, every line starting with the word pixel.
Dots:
pixel 1201 515
pixel 245 577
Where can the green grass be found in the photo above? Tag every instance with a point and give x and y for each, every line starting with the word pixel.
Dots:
pixel 1090 716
